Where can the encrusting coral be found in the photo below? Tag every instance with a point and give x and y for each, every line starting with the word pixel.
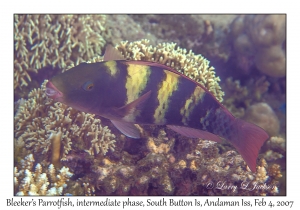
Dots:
pixel 261 39
pixel 39 181
pixel 54 40
pixel 51 128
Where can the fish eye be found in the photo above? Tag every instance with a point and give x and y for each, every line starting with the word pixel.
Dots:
pixel 88 86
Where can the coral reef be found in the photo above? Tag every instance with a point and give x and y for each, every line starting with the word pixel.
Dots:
pixel 39 181
pixel 205 34
pixel 194 66
pixel 276 150
pixel 181 166
pixel 261 40
pixel 78 154
pixel 238 98
pixel 50 128
pixel 53 40
pixel 115 32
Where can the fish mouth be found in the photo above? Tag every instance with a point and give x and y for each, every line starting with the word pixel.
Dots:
pixel 53 92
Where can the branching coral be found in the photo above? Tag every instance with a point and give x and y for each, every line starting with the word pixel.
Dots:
pixel 51 128
pixel 54 40
pixel 102 140
pixel 36 182
pixel 261 38
pixel 194 66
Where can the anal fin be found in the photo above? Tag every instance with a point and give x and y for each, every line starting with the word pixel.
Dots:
pixel 194 133
pixel 128 129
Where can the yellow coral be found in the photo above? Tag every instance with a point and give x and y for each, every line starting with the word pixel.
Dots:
pixel 193 166
pixel 161 149
pixel 182 164
pixel 274 171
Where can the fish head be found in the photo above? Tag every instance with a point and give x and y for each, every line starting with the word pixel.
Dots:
pixel 80 87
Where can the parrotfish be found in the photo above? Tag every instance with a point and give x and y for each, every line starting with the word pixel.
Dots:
pixel 142 92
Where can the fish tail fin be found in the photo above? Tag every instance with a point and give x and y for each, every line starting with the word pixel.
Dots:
pixel 248 141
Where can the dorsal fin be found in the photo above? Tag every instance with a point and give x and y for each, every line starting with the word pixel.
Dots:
pixel 112 53
pixel 150 63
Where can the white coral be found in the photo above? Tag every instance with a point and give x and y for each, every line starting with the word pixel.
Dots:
pixel 36 183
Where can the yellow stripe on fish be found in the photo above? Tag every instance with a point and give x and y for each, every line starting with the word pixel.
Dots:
pixel 168 86
pixel 136 81
pixel 137 78
pixel 203 120
pixel 111 68
pixel 191 103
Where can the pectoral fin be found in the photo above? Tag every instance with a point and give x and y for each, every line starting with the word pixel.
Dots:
pixel 129 111
pixel 194 133
pixel 128 129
